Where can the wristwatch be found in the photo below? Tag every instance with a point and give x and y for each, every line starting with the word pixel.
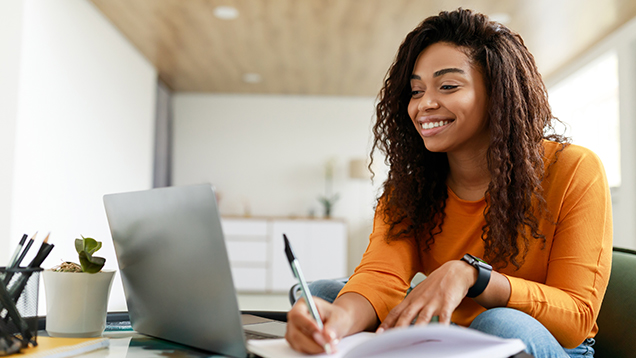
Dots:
pixel 483 275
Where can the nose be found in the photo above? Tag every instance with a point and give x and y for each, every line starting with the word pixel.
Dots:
pixel 428 101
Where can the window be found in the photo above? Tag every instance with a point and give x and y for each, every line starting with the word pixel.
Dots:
pixel 587 102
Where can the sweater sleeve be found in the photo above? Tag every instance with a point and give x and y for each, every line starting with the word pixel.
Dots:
pixel 580 257
pixel 385 272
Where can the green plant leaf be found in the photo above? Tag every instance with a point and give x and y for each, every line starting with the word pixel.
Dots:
pixel 91 264
pixel 91 245
pixel 79 245
pixel 86 247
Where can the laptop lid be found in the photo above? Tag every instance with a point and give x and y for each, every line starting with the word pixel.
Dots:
pixel 174 267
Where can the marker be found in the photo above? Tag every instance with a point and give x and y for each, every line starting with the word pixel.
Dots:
pixel 295 266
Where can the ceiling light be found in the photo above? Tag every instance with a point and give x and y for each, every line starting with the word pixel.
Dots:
pixel 252 78
pixel 226 12
pixel 500 17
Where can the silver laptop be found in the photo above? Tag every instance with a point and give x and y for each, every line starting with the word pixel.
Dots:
pixel 175 269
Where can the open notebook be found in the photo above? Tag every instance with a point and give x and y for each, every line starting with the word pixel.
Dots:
pixel 433 340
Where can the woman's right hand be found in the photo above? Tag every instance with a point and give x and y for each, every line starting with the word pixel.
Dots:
pixel 303 333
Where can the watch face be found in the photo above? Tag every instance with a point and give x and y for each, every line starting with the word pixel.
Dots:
pixel 480 260
pixel 473 260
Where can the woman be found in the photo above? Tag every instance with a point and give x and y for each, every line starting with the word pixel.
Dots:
pixel 465 123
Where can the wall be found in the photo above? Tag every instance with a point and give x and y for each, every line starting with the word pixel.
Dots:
pixel 266 155
pixel 10 41
pixel 84 127
pixel 623 197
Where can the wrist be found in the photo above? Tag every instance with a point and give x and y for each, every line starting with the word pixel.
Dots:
pixel 469 273
pixel 483 271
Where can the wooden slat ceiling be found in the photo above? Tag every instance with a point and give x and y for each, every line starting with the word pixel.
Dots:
pixel 331 47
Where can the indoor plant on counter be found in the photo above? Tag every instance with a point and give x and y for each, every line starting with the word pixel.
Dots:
pixel 77 295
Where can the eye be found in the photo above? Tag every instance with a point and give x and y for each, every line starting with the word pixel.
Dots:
pixel 449 87
pixel 416 93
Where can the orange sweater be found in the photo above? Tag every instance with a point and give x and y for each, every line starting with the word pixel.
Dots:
pixel 561 285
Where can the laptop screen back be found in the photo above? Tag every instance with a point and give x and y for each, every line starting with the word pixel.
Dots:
pixel 174 267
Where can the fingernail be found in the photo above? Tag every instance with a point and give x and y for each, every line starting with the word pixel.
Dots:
pixel 318 338
pixel 332 335
pixel 380 330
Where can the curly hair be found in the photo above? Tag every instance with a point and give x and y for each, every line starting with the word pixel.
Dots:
pixel 519 116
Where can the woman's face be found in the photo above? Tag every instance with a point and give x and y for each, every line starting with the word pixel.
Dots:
pixel 449 101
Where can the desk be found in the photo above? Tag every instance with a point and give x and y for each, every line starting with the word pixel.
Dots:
pixel 130 344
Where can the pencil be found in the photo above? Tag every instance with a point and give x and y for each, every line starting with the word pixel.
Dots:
pixel 43 252
pixel 17 251
pixel 24 252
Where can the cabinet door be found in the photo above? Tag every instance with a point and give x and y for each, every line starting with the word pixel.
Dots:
pixel 298 233
pixel 248 248
pixel 328 247
pixel 320 246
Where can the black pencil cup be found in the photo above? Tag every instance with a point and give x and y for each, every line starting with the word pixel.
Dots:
pixel 19 304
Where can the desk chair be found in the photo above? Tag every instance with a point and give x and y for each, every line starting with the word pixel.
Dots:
pixel 617 318
pixel 295 293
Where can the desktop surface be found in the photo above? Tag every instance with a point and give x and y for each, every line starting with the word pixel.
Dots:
pixel 125 343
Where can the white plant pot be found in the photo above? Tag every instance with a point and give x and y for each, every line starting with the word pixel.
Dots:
pixel 76 302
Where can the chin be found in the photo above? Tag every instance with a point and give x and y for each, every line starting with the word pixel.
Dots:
pixel 435 147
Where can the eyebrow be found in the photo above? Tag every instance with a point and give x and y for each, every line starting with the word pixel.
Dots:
pixel 440 73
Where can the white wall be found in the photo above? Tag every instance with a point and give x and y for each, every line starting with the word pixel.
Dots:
pixel 84 127
pixel 10 41
pixel 623 197
pixel 266 155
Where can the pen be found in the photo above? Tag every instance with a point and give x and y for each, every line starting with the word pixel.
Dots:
pixel 295 266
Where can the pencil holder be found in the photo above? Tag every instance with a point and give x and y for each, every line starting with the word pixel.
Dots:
pixel 19 290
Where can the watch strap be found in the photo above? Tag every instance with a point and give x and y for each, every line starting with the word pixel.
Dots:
pixel 483 276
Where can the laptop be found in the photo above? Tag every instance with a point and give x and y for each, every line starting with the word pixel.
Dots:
pixel 175 269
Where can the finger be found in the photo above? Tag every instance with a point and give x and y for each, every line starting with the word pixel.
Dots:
pixel 444 316
pixel 424 317
pixel 302 343
pixel 391 318
pixel 303 328
pixel 409 315
pixel 298 318
pixel 331 333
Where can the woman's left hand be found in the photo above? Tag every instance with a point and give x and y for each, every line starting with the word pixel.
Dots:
pixel 438 295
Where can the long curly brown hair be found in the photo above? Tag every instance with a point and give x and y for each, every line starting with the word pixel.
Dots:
pixel 520 118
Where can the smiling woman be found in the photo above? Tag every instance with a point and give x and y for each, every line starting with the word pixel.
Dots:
pixel 476 170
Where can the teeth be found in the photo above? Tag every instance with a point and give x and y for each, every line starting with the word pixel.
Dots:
pixel 429 125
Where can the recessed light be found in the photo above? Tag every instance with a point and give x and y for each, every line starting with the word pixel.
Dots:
pixel 252 78
pixel 226 12
pixel 500 17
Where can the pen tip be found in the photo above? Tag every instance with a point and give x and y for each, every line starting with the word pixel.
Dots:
pixel 46 239
pixel 34 235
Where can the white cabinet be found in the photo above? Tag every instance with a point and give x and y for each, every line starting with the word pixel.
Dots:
pixel 256 251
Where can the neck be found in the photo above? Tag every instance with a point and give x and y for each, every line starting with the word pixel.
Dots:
pixel 469 176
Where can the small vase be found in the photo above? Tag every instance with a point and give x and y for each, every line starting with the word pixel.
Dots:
pixel 76 302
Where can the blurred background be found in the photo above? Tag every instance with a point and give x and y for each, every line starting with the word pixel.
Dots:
pixel 271 101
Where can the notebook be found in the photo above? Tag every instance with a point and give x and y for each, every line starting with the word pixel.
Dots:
pixel 175 270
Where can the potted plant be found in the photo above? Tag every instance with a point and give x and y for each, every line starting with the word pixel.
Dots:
pixel 77 294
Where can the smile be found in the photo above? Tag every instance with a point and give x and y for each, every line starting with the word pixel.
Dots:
pixel 430 125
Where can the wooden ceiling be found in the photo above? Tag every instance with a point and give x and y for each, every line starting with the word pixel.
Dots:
pixel 331 47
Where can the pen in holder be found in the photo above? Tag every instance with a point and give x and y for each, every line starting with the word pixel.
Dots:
pixel 19 306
